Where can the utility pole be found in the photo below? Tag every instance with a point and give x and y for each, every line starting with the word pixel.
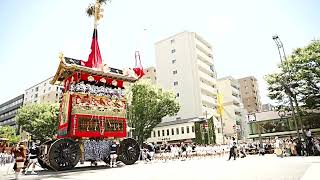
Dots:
pixel 285 83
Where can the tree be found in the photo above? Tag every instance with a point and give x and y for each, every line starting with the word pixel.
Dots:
pixel 299 78
pixel 304 64
pixel 149 104
pixel 9 133
pixel 40 120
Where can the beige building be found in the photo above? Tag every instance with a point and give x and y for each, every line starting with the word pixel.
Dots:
pixel 233 116
pixel 184 65
pixel 150 74
pixel 250 94
pixel 43 92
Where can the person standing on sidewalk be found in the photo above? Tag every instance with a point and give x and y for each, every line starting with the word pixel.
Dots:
pixel 33 158
pixel 233 148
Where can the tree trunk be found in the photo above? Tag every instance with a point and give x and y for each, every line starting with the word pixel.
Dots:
pixel 296 104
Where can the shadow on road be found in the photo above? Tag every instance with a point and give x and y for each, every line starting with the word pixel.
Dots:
pixel 60 174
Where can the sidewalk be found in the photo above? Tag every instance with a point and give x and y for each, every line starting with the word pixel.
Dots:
pixel 312 172
pixel 6 171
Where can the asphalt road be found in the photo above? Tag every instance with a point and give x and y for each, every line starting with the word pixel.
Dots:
pixel 266 167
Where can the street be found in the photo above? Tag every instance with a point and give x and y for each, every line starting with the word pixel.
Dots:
pixel 254 167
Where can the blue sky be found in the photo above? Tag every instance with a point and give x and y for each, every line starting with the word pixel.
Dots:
pixel 32 33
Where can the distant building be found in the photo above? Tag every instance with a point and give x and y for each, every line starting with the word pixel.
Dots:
pixel 184 64
pixel 9 109
pixel 43 92
pixel 233 117
pixel 150 74
pixel 267 107
pixel 173 131
pixel 250 94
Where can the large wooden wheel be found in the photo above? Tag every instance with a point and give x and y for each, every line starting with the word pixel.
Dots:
pixel 64 154
pixel 129 151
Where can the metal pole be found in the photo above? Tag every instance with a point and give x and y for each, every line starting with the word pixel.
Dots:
pixel 221 128
pixel 285 86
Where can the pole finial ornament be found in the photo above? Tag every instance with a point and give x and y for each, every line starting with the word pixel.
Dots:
pixel 96 11
pixel 61 56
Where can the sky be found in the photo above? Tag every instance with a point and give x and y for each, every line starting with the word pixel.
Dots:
pixel 34 32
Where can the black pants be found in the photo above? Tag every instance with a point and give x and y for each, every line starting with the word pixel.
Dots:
pixel 242 154
pixel 232 153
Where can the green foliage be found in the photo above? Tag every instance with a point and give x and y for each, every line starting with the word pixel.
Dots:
pixel 9 133
pixel 201 134
pixel 300 73
pixel 212 134
pixel 40 120
pixel 149 104
pixel 198 133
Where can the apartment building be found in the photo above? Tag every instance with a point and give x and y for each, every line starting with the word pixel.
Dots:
pixel 150 74
pixel 184 64
pixel 249 90
pixel 233 116
pixel 43 92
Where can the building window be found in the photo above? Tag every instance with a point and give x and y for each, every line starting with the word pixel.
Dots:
pixel 177 118
pixel 177 131
pixel 158 133
pixel 154 133
pixel 49 89
pixel 44 91
pixel 192 128
pixel 173 51
pixel 172 131
pixel 172 41
pixel 188 131
pixel 57 95
pixel 57 88
pixel 175 83
pixel 168 132
pixel 36 95
pixel 175 72
pixel 182 130
pixel 178 94
pixel 44 84
pixel 37 89
pixel 163 132
pixel 174 61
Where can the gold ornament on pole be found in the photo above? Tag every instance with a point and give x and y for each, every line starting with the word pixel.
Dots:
pixel 96 11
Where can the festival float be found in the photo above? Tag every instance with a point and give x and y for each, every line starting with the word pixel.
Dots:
pixel 92 110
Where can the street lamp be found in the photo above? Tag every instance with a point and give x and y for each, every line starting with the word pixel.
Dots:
pixel 285 82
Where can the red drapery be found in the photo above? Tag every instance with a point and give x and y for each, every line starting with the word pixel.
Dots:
pixel 94 60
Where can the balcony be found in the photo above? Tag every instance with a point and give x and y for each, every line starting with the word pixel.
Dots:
pixel 204 57
pixel 204 67
pixel 208 89
pixel 200 46
pixel 208 101
pixel 205 77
